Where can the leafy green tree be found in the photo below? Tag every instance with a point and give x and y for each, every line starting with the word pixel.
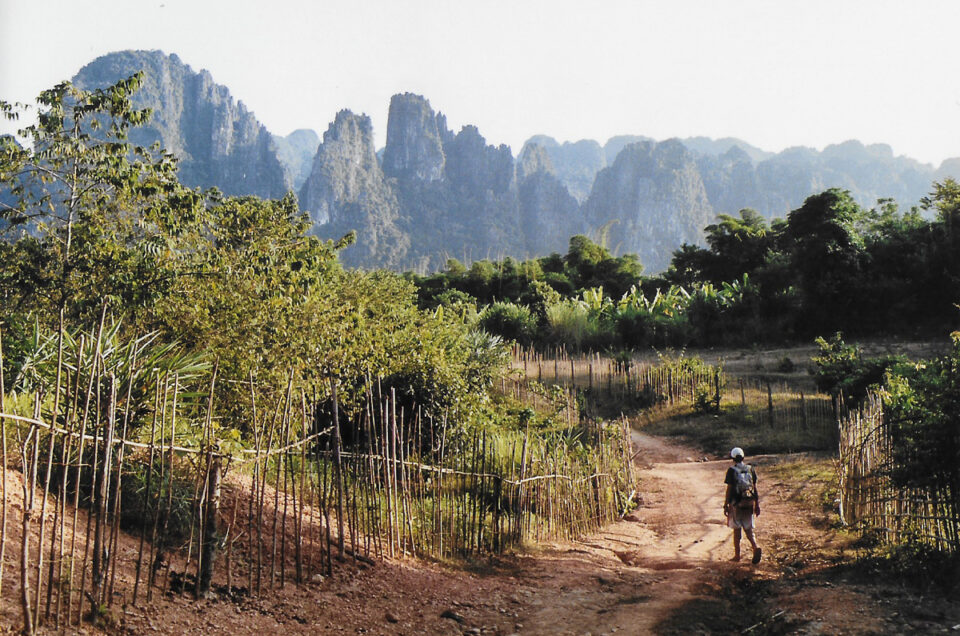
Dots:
pixel 943 257
pixel 827 256
pixel 739 245
pixel 582 259
pixel 509 321
pixel 690 264
pixel 843 373
pixel 480 279
pixel 94 214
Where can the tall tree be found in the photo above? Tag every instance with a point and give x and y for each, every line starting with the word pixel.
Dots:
pixel 91 214
pixel 827 255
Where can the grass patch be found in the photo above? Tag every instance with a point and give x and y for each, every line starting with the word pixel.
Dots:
pixel 733 426
pixel 813 481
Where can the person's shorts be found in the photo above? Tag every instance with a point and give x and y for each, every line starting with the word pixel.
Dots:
pixel 741 518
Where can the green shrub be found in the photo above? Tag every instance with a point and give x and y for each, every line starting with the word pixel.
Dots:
pixel 510 322
pixel 569 322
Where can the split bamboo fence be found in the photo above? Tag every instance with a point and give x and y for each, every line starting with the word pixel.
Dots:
pixel 869 499
pixel 121 501
pixel 764 402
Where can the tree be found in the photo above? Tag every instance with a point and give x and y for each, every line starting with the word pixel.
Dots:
pixel 827 256
pixel 739 245
pixel 90 214
pixel 583 257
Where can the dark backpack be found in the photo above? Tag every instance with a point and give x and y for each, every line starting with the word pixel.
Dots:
pixel 744 490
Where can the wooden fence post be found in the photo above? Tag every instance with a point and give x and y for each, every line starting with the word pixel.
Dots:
pixel 803 410
pixel 337 464
pixel 770 402
pixel 100 552
pixel 212 506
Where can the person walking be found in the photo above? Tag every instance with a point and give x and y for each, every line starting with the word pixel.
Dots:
pixel 741 503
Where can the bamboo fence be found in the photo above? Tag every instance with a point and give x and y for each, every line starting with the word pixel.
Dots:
pixel 656 383
pixel 871 501
pixel 123 502
pixel 782 406
pixel 763 401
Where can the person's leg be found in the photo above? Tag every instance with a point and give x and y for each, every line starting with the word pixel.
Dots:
pixel 753 543
pixel 736 544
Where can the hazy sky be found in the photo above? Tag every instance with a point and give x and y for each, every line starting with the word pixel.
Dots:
pixel 775 73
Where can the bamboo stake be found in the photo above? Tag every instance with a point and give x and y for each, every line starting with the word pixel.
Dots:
pixel 95 362
pixel 3 480
pixel 284 467
pixel 303 473
pixel 101 492
pixel 170 474
pixel 207 552
pixel 337 464
pixel 276 491
pixel 210 488
pixel 146 492
pixel 115 531
pixel 255 484
pixel 26 513
pixel 46 482
pixel 98 417
pixel 385 453
pixel 57 536
pixel 158 534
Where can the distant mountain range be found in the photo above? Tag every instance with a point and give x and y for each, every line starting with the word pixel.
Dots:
pixel 431 194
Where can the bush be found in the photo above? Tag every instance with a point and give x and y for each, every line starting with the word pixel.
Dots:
pixel 841 370
pixel 510 322
pixel 786 365
pixel 570 323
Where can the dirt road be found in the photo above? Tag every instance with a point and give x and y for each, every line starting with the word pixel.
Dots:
pixel 635 575
pixel 666 567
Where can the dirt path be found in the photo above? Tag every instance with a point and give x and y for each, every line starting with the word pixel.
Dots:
pixel 635 575
pixel 665 568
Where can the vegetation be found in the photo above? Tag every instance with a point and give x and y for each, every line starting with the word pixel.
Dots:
pixel 182 332
pixel 92 221
pixel 829 266
pixel 122 288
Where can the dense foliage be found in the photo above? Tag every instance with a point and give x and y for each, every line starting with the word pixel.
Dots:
pixel 830 266
pixel 844 374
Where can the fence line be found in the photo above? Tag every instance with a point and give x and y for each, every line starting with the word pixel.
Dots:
pixel 870 500
pixel 654 384
pixel 768 403
pixel 201 521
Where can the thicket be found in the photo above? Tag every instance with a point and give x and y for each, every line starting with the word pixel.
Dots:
pixel 830 266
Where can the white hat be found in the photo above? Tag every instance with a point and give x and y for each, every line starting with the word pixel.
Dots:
pixel 736 452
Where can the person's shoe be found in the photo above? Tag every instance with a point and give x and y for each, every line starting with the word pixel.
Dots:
pixel 736 557
pixel 756 555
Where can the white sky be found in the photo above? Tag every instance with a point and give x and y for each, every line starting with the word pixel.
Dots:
pixel 775 73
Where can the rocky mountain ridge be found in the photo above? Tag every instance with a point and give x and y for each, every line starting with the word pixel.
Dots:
pixel 431 194
pixel 218 141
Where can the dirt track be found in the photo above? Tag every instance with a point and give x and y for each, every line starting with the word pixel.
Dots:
pixel 647 565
